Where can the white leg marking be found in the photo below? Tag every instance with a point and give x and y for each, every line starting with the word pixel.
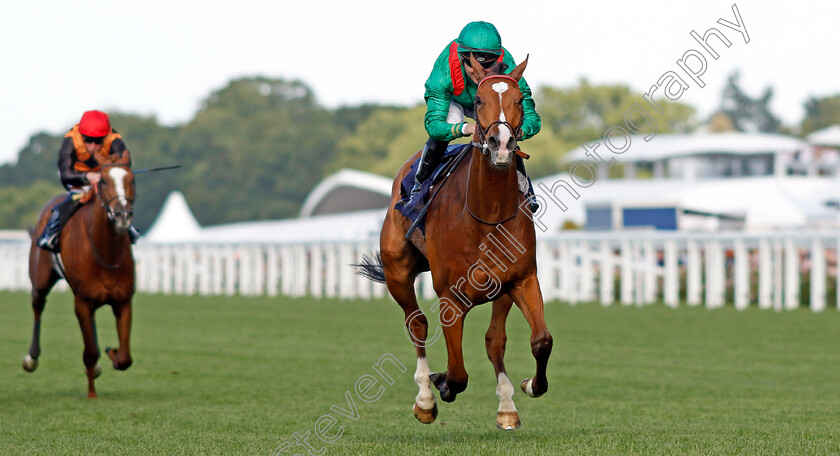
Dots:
pixel 117 174
pixel 425 398
pixel 504 391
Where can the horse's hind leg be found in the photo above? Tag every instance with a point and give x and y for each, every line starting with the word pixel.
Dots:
pixel 528 298
pixel 507 417
pixel 90 356
pixel 121 357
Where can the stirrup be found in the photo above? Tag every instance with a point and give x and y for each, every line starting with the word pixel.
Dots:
pixel 414 194
pixel 49 237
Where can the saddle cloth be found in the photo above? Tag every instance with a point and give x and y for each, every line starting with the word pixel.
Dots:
pixel 413 211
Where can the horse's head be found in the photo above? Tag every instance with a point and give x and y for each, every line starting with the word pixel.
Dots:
pixel 116 191
pixel 498 111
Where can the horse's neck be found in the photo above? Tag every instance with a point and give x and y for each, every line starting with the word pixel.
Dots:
pixel 492 194
pixel 105 238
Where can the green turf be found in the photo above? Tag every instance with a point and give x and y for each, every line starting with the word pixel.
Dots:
pixel 243 375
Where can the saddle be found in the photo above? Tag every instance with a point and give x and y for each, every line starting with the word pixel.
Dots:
pixel 413 211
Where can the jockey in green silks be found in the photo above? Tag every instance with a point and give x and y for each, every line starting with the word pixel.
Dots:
pixel 450 97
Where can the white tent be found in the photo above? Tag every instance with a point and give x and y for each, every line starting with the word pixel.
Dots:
pixel 175 223
pixel 827 137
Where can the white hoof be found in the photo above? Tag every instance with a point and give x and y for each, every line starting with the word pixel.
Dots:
pixel 30 364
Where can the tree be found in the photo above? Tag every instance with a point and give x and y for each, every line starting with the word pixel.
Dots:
pixel 748 114
pixel 254 151
pixel 820 113
pixel 581 114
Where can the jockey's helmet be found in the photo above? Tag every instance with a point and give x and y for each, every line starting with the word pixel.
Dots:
pixel 94 124
pixel 482 40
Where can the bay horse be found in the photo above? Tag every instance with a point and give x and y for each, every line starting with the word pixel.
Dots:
pixel 98 265
pixel 479 245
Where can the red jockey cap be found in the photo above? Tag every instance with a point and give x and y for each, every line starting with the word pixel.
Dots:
pixel 95 124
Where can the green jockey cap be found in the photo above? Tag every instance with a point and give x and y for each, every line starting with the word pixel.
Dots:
pixel 480 36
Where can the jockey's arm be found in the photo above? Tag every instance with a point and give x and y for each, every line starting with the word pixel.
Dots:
pixel 69 176
pixel 531 121
pixel 437 110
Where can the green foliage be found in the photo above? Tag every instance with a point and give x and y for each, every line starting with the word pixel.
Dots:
pixel 581 114
pixel 21 205
pixel 255 150
pixel 383 141
pixel 820 113
pixel 746 113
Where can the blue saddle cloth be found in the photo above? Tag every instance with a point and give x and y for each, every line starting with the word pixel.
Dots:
pixel 413 211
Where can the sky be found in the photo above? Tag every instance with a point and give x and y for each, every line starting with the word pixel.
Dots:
pixel 163 58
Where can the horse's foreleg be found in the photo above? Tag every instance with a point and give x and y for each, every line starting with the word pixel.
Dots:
pixel 121 357
pixel 30 362
pixel 416 327
pixel 506 417
pixel 454 380
pixel 43 278
pixel 528 298
pixel 90 356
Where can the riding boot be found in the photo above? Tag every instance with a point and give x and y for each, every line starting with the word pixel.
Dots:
pixel 429 159
pixel 133 234
pixel 59 216
pixel 530 196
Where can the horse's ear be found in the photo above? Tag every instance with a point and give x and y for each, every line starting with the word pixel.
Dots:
pixel 517 72
pixel 125 158
pixel 478 70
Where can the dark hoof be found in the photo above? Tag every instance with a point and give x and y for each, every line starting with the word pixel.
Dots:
pixel 113 353
pixel 439 380
pixel 425 416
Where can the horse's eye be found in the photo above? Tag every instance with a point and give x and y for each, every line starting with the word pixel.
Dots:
pixel 477 100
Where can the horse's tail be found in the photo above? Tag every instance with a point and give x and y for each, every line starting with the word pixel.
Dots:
pixel 371 268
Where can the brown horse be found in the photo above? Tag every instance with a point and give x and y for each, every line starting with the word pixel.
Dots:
pixel 479 246
pixel 98 265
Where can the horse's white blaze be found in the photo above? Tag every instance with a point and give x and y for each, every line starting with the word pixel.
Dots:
pixel 425 398
pixel 500 88
pixel 503 155
pixel 117 174
pixel 504 391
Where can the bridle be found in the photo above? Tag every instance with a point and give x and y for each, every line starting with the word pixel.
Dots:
pixel 106 204
pixel 481 133
pixel 484 148
pixel 111 214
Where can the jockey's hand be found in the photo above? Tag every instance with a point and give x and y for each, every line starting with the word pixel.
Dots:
pixel 469 129
pixel 92 178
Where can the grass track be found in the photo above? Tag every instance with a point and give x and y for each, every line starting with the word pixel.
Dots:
pixel 220 376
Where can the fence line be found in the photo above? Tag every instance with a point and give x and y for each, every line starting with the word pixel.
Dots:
pixel 628 268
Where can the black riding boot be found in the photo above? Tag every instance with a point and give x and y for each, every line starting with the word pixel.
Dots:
pixel 133 234
pixel 59 216
pixel 429 159
pixel 532 199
